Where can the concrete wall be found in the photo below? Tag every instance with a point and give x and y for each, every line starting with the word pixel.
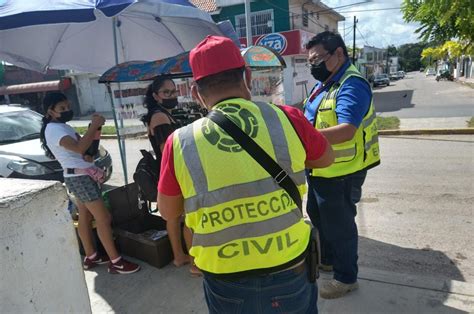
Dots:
pixel 92 96
pixel 316 22
pixel 41 268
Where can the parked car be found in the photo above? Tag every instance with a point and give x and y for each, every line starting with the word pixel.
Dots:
pixel 401 74
pixel 381 79
pixel 422 69
pixel 430 71
pixel 393 76
pixel 21 155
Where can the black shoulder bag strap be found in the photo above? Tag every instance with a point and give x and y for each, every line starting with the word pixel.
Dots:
pixel 271 166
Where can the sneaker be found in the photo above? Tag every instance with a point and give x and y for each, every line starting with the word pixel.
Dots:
pixel 123 267
pixel 335 289
pixel 325 268
pixel 98 260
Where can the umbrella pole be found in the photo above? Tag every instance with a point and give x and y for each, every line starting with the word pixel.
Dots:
pixel 119 136
pixel 123 155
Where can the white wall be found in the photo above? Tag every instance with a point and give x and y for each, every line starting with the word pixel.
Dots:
pixel 315 24
pixel 296 76
pixel 91 94
pixel 41 270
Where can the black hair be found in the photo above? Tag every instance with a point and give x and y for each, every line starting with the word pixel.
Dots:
pixel 221 80
pixel 330 42
pixel 150 103
pixel 50 100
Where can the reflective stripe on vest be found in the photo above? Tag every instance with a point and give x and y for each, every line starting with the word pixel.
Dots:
pixel 241 219
pixel 359 153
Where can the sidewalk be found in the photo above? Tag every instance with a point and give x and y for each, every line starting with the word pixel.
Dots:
pixel 466 81
pixel 172 290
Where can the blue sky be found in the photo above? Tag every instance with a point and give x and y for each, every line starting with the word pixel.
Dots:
pixel 377 28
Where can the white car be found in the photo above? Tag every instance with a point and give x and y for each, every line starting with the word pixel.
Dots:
pixel 21 155
pixel 430 71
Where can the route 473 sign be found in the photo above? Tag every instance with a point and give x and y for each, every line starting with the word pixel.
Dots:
pixel 274 40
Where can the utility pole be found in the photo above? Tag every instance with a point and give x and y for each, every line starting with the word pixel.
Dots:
pixel 388 69
pixel 354 43
pixel 248 23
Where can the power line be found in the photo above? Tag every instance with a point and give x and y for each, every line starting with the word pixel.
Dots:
pixel 323 11
pixel 363 37
pixel 370 10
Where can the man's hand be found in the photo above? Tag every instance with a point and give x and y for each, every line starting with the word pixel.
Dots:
pixel 340 133
pixel 97 121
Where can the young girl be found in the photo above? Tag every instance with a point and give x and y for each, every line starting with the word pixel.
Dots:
pixel 60 141
pixel 160 99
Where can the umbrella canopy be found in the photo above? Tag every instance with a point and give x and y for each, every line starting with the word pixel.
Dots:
pixel 256 57
pixel 177 66
pixel 262 57
pixel 94 35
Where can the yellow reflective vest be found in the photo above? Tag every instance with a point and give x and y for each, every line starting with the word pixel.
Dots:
pixel 241 219
pixel 359 153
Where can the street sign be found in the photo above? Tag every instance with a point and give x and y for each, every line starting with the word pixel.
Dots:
pixel 274 40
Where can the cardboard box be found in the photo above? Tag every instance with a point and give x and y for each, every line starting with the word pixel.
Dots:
pixel 138 233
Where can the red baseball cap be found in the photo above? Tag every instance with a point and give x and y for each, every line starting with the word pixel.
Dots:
pixel 213 55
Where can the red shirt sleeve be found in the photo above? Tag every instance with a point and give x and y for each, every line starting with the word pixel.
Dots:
pixel 313 141
pixel 168 184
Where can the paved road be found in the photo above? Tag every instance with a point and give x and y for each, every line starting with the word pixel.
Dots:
pixel 418 96
pixel 416 215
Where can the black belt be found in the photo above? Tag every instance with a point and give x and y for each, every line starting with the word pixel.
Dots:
pixel 263 272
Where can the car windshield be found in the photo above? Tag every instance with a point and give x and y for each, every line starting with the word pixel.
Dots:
pixel 19 126
pixel 381 76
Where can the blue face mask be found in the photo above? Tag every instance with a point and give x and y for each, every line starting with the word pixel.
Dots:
pixel 65 116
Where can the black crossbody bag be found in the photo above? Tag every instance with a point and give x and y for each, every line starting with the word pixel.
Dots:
pixel 280 176
pixel 256 152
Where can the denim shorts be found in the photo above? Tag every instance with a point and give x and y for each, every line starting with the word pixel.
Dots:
pixel 282 292
pixel 83 188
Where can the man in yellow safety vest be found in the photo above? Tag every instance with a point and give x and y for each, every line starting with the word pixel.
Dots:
pixel 249 236
pixel 340 107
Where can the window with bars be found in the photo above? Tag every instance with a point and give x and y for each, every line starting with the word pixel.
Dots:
pixel 262 23
pixel 305 17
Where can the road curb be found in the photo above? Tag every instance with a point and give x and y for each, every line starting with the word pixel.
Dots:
pixel 468 84
pixel 127 136
pixel 427 131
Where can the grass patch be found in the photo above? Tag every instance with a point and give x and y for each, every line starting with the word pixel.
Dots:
pixel 383 123
pixel 106 130
pixel 388 123
pixel 470 123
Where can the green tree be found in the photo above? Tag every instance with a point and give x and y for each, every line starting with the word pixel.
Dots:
pixel 392 51
pixel 410 56
pixel 441 20
pixel 450 50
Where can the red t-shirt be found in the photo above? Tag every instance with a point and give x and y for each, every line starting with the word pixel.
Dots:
pixel 314 143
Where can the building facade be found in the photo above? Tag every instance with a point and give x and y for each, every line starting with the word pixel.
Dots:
pixel 372 61
pixel 284 25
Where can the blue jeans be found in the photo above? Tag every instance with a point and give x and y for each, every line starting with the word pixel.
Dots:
pixel 283 292
pixel 332 209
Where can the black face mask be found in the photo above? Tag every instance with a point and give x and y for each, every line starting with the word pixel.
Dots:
pixel 169 103
pixel 320 72
pixel 65 116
